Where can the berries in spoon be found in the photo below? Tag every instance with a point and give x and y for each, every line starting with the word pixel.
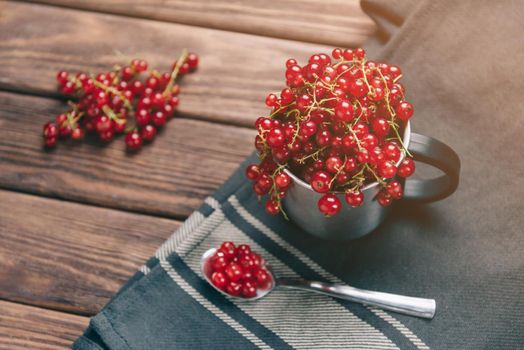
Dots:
pixel 238 271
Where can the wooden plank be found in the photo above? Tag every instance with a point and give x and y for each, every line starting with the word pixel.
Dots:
pixel 71 257
pixel 24 327
pixel 171 177
pixel 236 72
pixel 333 22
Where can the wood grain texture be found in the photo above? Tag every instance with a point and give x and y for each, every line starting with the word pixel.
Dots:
pixel 71 257
pixel 24 327
pixel 186 163
pixel 236 71
pixel 333 22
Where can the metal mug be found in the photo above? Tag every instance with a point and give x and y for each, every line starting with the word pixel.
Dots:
pixel 300 202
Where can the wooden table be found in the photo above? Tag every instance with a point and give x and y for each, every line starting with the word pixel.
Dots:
pixel 75 223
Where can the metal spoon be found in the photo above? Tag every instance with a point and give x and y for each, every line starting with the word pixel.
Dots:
pixel 412 306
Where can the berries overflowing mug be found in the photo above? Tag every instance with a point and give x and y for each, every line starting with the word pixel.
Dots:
pixel 354 222
pixel 340 132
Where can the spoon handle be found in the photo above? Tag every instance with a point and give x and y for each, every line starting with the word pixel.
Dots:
pixel 419 307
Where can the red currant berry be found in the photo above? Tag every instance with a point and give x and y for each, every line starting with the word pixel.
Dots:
pixel 275 138
pixel 234 289
pixel 152 82
pixel 148 133
pixel 103 124
pixel 329 204
pixel 394 72
pixel 344 111
pixel 243 249
pixel 404 111
pixel 341 178
pixel 263 278
pixel 228 248
pixel 184 68
pixel 354 198
pixel 360 53
pixel 387 170
pixel 142 117
pixel 249 289
pixel 68 88
pixel 281 154
pixel 101 99
pixel 50 142
pixel 406 168
pixel 384 199
pixel 336 53
pixel 139 65
pixel 65 130
pixel 286 96
pixel 369 142
pixel 360 130
pixel 247 265
pixel 320 181
pixel 291 62
pixel 62 77
pixel 219 280
pixel 323 137
pixel 233 272
pixel 192 61
pixel 258 262
pixel 350 165
pixel 219 261
pixel 282 181
pixel 272 207
pixel 272 100
pixel 308 129
pixel 50 130
pixel 380 126
pixel 358 88
pixel 77 133
pixel 159 118
pixel 127 73
pixel 133 141
pixel 137 87
pixel 303 102
pixel 252 172
pixel 377 156
pixel 391 151
pixel 333 164
pixel 363 156
pixel 348 54
pixel 394 189
pixel 349 142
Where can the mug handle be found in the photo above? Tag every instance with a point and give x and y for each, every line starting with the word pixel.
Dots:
pixel 433 152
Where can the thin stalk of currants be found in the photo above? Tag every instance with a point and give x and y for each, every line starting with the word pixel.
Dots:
pixel 131 99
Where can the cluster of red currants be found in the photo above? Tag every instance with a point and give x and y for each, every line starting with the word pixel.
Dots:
pixel 239 271
pixel 337 125
pixel 119 101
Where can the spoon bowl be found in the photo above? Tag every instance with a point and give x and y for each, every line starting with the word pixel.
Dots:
pixel 419 307
pixel 205 268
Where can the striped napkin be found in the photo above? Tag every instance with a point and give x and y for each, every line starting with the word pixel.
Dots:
pixel 168 305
